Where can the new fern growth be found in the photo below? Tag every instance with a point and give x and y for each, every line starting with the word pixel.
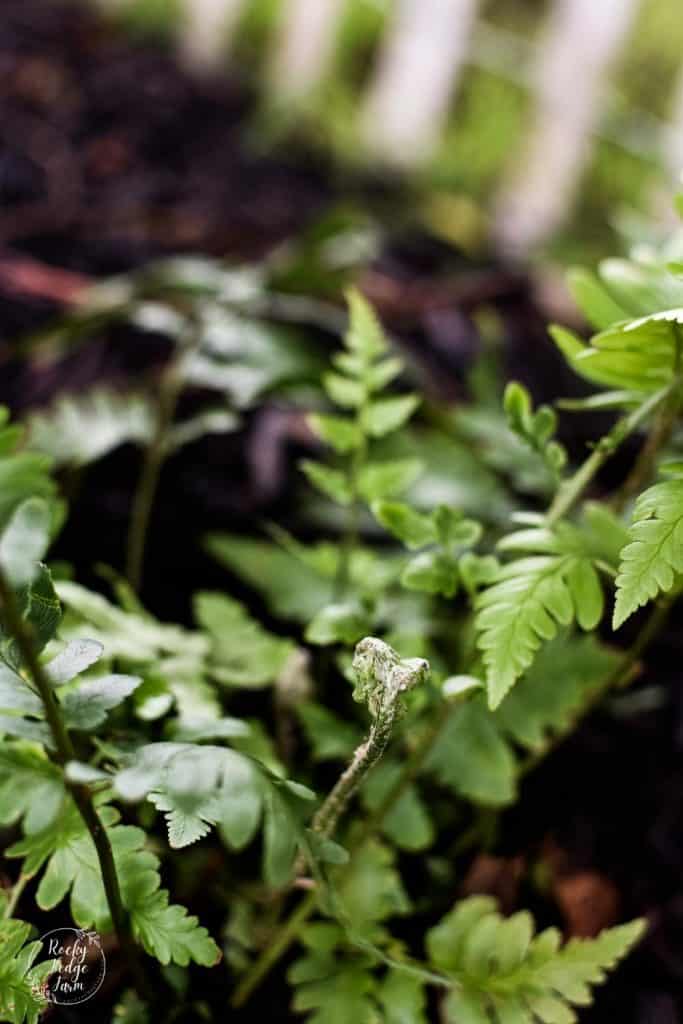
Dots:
pixel 382 679
pixel 356 384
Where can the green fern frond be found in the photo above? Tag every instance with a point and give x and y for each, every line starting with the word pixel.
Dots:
pixel 21 983
pixel 67 851
pixel 504 974
pixel 527 602
pixel 362 372
pixel 653 558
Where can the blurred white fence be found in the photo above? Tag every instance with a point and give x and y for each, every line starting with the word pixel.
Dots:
pixel 412 88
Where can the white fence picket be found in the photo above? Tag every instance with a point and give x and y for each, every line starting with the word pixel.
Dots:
pixel 580 43
pixel 426 45
pixel 419 66
pixel 205 29
pixel 672 143
pixel 304 45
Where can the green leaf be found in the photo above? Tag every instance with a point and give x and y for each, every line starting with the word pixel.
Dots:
pixel 636 356
pixel 39 607
pixel 365 336
pixel 529 599
pixel 457 688
pixel 196 787
pixel 270 569
pixel 22 474
pixel 344 623
pixel 31 787
pixel 517 407
pixel 209 421
pixel 653 559
pixel 589 600
pixel 166 930
pixel 66 847
pixel 385 479
pixel 535 429
pixel 445 942
pixel 25 540
pixel 454 530
pixel 341 434
pixel 201 786
pixel 403 998
pixel 641 287
pixel 326 850
pixel 471 757
pixel 333 483
pixel 433 572
pixel 477 570
pixel 413 528
pixel 564 675
pixel 370 890
pixel 464 1007
pixel 330 737
pixel 72 863
pixel 136 637
pixel 242 357
pixel 385 415
pixel 604 533
pixel 382 373
pixel 503 974
pixel 243 653
pixel 76 657
pixel 21 983
pixel 349 394
pixel 280 838
pixel 86 707
pixel 26 729
pixel 408 823
pixel 593 299
pixel 80 429
pixel 197 729
pixel 16 694
pixel 341 995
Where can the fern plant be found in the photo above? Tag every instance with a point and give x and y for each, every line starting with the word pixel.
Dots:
pixel 503 972
pixel 288 779
pixel 652 561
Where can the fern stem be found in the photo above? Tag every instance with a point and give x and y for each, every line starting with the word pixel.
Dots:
pixel 289 931
pixel 572 489
pixel 15 895
pixel 148 481
pixel 364 759
pixel 411 769
pixel 285 936
pixel 350 538
pixel 64 752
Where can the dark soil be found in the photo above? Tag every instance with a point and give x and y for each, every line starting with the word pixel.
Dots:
pixel 111 155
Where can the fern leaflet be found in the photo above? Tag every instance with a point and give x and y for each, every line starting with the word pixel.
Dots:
pixel 653 557
pixel 503 974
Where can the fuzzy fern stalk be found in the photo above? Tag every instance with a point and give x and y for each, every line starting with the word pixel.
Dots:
pixel 382 680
